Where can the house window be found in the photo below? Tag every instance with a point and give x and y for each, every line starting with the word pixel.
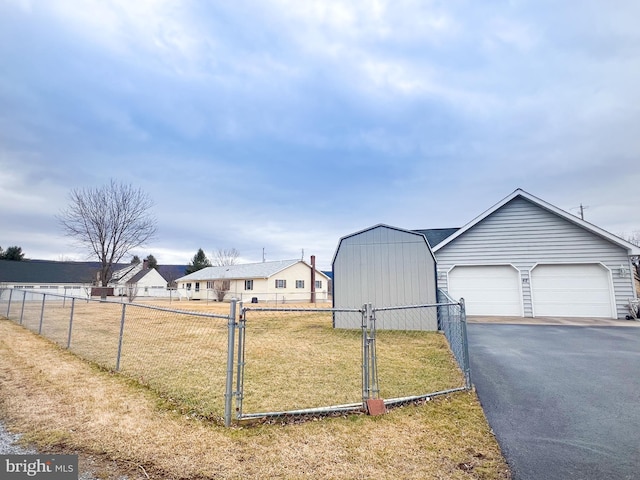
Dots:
pixel 299 283
pixel 188 286
pixel 281 284
pixel 318 283
pixel 197 286
pixel 248 284
pixel 209 285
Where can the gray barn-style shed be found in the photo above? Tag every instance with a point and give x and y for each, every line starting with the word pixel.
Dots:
pixel 385 266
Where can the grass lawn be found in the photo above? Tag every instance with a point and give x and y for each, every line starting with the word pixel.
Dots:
pixel 62 403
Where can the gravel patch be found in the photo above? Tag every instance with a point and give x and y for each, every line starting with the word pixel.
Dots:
pixel 8 446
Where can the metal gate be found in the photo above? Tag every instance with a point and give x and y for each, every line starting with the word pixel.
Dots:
pixel 293 361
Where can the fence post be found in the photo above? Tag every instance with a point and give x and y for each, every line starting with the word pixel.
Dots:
pixel 73 304
pixel 24 300
pixel 242 324
pixel 9 304
pixel 124 308
pixel 44 296
pixel 465 345
pixel 228 395
pixel 366 314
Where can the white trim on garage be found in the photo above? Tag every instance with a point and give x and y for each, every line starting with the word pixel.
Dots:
pixel 493 289
pixel 572 290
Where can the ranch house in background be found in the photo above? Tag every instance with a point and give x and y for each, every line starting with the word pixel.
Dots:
pixel 62 278
pixel 278 281
pixel 80 279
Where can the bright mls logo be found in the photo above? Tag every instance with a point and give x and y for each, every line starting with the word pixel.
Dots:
pixel 50 467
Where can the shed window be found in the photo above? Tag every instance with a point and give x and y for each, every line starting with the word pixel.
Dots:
pixel 281 284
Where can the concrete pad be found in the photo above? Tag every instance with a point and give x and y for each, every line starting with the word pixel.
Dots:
pixel 574 321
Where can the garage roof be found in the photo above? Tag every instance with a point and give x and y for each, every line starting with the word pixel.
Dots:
pixel 631 248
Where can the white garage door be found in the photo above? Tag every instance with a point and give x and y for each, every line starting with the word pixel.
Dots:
pixel 571 291
pixel 487 289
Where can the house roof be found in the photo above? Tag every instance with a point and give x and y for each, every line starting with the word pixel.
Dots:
pixel 45 271
pixel 519 193
pixel 171 272
pixel 49 271
pixel 139 276
pixel 382 225
pixel 246 270
pixel 122 271
pixel 437 235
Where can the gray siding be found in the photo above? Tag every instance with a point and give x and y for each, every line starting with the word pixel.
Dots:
pixel 523 234
pixel 385 267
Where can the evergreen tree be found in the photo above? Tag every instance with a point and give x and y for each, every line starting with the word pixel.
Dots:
pixel 152 262
pixel 135 259
pixel 198 262
pixel 12 253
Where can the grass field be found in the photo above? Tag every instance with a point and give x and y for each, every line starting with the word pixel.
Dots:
pixel 63 404
pixel 293 360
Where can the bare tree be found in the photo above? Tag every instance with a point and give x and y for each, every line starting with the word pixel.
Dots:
pixel 220 288
pixel 225 257
pixel 109 222
pixel 633 237
pixel 132 291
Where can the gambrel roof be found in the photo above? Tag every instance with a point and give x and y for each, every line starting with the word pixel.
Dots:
pixel 381 226
pixel 632 249
pixel 242 271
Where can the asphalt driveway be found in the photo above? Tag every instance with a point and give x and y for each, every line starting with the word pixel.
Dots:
pixel 563 401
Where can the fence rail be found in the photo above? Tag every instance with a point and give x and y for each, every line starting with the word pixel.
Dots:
pixel 272 361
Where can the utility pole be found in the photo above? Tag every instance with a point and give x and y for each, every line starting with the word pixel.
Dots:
pixel 582 211
pixel 582 208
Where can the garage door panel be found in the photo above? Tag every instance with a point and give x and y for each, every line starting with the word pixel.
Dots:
pixel 487 289
pixel 579 290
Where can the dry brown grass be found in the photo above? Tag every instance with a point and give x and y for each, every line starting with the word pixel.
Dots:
pixel 294 360
pixel 62 403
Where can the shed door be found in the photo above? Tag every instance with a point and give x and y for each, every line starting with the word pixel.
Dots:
pixel 580 290
pixel 487 289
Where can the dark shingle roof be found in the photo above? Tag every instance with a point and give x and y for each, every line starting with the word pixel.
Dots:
pixel 172 272
pixel 437 235
pixel 45 271
pixel 49 271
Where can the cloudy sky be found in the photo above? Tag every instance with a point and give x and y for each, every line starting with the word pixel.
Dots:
pixel 284 125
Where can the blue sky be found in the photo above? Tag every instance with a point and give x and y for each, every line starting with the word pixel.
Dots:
pixel 286 125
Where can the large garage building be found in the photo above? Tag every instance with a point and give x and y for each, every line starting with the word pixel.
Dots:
pixel 525 257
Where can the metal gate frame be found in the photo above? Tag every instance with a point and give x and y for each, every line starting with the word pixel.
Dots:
pixel 370 387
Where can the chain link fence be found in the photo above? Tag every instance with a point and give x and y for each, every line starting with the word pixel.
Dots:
pixel 181 355
pixel 299 361
pixel 273 361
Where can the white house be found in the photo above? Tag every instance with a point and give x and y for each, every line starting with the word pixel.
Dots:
pixel 282 281
pixel 525 257
pixel 140 280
